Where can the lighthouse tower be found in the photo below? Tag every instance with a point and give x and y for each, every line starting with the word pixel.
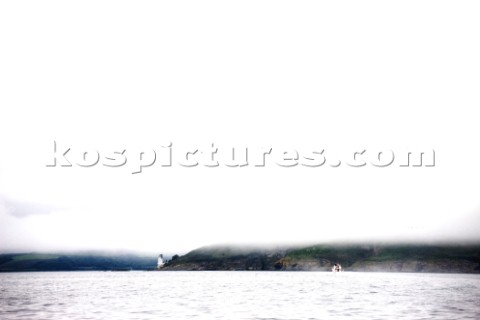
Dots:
pixel 160 262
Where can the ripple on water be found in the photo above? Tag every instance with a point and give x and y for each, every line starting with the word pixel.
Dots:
pixel 238 295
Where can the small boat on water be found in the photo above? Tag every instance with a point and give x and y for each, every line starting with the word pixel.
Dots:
pixel 337 267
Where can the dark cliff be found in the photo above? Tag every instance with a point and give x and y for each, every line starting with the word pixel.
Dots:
pixel 395 258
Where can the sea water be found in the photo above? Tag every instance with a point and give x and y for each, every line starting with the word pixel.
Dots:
pixel 238 295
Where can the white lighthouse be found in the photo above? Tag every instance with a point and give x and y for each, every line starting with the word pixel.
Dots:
pixel 160 261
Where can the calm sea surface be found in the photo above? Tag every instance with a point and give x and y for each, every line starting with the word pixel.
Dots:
pixel 238 295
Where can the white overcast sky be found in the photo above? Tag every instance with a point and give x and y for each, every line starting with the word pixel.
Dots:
pixel 341 76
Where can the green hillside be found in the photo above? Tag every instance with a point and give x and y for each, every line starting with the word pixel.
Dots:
pixel 74 262
pixel 352 257
pixel 321 257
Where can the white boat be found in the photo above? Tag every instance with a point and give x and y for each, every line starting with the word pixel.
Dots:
pixel 337 267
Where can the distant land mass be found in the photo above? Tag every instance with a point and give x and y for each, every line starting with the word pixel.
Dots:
pixel 352 257
pixel 319 257
pixel 75 262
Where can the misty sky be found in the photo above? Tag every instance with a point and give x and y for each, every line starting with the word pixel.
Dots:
pixel 343 76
